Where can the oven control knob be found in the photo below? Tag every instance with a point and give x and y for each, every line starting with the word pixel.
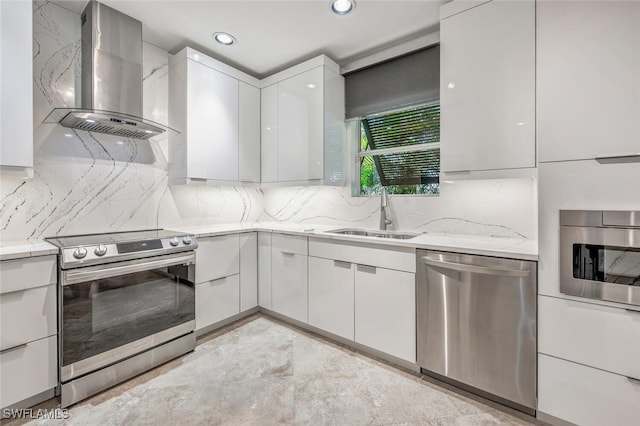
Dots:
pixel 80 253
pixel 101 250
pixel 186 240
pixel 174 241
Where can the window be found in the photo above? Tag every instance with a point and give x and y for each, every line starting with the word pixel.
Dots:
pixel 401 151
pixel 393 111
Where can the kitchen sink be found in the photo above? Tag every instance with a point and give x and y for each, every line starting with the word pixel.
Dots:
pixel 374 233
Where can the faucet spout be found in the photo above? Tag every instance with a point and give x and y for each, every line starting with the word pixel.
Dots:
pixel 385 220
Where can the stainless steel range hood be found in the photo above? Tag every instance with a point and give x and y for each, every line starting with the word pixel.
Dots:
pixel 111 89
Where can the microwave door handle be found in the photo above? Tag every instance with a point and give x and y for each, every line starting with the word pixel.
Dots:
pixel 96 273
pixel 463 267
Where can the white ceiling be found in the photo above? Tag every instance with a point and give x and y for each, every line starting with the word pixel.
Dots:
pixel 273 35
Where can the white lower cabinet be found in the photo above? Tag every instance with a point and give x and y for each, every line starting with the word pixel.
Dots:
pixel 264 269
pixel 28 370
pixel 331 296
pixel 28 330
pixel 217 300
pixel 226 277
pixel 385 311
pixel 372 305
pixel 289 276
pixel 586 396
pixel 248 271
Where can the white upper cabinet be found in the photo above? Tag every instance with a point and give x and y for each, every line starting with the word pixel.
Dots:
pixel 16 85
pixel 487 85
pixel 217 110
pixel 249 133
pixel 303 124
pixel 588 57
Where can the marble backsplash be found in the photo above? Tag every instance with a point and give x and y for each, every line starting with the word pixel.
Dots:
pixel 494 208
pixel 88 182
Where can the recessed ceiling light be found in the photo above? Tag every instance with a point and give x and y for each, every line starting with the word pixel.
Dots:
pixel 224 38
pixel 342 7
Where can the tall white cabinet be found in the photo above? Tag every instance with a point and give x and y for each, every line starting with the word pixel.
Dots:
pixel 16 86
pixel 588 79
pixel 487 85
pixel 302 124
pixel 216 109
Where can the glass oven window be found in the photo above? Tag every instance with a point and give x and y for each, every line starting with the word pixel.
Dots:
pixel 107 313
pixel 610 264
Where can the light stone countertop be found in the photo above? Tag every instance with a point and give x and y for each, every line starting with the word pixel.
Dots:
pixel 514 248
pixel 21 249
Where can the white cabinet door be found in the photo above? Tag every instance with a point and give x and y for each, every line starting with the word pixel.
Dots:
pixel 586 396
pixel 487 87
pixel 217 257
pixel 289 276
pixel 269 133
pixel 301 126
pixel 212 123
pixel 248 271
pixel 16 85
pixel 264 269
pixel 331 296
pixel 217 300
pixel 249 134
pixel 28 370
pixel 385 311
pixel 588 79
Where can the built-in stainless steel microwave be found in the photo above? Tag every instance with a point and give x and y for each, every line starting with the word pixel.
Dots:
pixel 600 255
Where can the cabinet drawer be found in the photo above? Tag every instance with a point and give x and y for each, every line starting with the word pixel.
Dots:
pixel 21 274
pixel 586 396
pixel 398 258
pixel 28 370
pixel 27 315
pixel 217 300
pixel 292 244
pixel 594 335
pixel 217 257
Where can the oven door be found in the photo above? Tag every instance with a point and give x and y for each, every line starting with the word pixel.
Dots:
pixel 600 263
pixel 113 311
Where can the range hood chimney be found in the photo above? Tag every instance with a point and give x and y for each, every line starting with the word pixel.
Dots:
pixel 111 79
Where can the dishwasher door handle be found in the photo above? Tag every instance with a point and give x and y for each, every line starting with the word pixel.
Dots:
pixel 463 267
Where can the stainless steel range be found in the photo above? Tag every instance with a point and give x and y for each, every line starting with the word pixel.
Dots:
pixel 126 303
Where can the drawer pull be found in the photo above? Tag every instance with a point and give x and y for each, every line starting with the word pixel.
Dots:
pixel 341 264
pixel 617 159
pixel 15 348
pixel 634 380
pixel 366 268
pixel 287 253
pixel 632 311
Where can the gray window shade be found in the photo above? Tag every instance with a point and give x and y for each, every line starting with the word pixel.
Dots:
pixel 410 79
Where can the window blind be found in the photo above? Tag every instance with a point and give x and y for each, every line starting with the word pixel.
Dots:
pixel 410 79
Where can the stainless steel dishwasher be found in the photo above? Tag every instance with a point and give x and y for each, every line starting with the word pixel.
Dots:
pixel 477 324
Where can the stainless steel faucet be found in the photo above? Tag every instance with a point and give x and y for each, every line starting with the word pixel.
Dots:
pixel 385 220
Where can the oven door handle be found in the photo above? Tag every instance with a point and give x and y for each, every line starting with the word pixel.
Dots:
pixel 104 271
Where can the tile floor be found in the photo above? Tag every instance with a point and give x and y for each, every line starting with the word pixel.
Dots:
pixel 261 372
